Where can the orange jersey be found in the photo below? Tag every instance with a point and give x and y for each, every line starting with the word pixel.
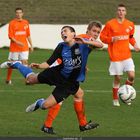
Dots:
pixel 19 30
pixel 85 36
pixel 118 50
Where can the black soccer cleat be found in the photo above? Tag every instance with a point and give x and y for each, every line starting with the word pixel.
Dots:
pixel 88 126
pixel 8 82
pixel 14 64
pixel 48 130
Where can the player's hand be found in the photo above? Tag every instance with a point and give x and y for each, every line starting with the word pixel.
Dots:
pixel 136 47
pixel 17 42
pixel 20 44
pixel 87 69
pixel 34 65
pixel 80 40
pixel 31 49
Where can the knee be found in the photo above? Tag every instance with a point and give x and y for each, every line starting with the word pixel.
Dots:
pixel 25 62
pixel 131 78
pixel 116 82
pixel 117 78
pixel 31 79
pixel 79 95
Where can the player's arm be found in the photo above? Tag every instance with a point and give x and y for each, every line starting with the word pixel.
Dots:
pixel 29 38
pixel 92 43
pixel 30 42
pixel 17 42
pixel 56 54
pixel 43 65
pixel 132 40
pixel 105 36
pixel 11 35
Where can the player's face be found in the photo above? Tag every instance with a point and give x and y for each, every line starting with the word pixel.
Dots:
pixel 19 14
pixel 67 35
pixel 94 32
pixel 121 12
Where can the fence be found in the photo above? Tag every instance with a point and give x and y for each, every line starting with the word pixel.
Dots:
pixel 47 36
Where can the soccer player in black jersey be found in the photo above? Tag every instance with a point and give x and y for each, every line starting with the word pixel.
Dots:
pixel 92 33
pixel 66 76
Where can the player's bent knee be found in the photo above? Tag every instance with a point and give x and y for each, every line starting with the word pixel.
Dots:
pixel 131 78
pixel 32 79
pixel 49 102
pixel 79 95
pixel 117 78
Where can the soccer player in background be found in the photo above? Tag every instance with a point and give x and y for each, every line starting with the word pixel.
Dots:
pixel 19 34
pixel 118 33
pixel 92 33
pixel 66 77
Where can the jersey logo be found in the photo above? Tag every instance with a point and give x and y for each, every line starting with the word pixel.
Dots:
pixel 20 33
pixel 72 63
pixel 77 51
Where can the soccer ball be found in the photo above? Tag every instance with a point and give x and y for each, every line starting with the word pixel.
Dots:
pixel 126 93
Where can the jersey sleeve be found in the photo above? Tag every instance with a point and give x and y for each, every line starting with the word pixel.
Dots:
pixel 86 48
pixel 56 54
pixel 132 40
pixel 10 31
pixel 105 34
pixel 28 29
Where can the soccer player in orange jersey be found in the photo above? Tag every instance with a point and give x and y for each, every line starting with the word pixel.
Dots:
pixel 93 31
pixel 118 33
pixel 19 35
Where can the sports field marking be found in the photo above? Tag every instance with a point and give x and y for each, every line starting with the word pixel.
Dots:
pixel 104 78
pixel 43 91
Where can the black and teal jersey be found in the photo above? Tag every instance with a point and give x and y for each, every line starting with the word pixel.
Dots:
pixel 73 58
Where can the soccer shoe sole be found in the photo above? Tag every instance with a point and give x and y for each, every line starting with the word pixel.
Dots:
pixel 4 65
pixel 89 126
pixel 31 107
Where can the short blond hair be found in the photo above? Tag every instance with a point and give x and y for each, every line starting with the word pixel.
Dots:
pixel 94 23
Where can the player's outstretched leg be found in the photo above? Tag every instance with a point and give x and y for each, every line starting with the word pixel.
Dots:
pixel 36 105
pixel 8 64
pixel 4 65
pixel 24 70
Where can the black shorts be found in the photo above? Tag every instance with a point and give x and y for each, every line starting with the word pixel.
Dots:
pixel 63 88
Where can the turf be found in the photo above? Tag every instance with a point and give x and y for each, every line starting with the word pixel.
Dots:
pixel 67 12
pixel 120 121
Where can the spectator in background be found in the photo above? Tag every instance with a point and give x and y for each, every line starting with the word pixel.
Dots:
pixel 118 33
pixel 19 35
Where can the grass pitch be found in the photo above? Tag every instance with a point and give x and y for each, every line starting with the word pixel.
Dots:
pixel 120 121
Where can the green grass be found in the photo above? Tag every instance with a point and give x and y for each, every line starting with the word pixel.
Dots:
pixel 120 121
pixel 67 11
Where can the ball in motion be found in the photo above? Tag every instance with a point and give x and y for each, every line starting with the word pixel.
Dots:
pixel 126 93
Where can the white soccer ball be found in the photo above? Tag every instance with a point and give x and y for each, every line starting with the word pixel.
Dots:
pixel 126 93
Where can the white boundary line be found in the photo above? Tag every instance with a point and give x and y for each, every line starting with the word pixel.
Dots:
pixel 104 78
pixel 43 91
